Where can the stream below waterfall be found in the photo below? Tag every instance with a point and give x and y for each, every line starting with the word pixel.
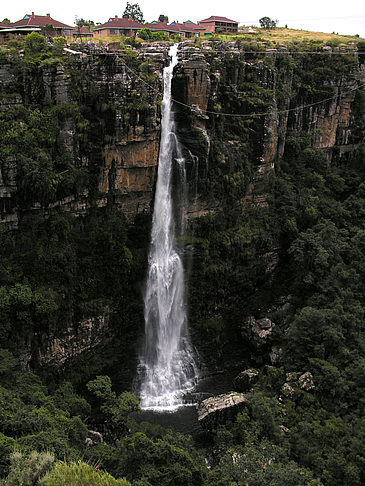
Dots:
pixel 185 418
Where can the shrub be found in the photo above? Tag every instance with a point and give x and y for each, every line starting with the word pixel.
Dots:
pixel 80 474
pixel 27 469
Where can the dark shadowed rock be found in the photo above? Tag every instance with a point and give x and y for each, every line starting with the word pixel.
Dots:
pixel 93 438
pixel 276 355
pixel 257 331
pixel 296 384
pixel 245 380
pixel 306 381
pixel 219 409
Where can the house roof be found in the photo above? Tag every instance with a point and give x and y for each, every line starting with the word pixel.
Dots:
pixel 190 24
pixel 4 26
pixel 82 31
pixel 218 19
pixel 187 27
pixel 40 21
pixel 120 23
pixel 162 26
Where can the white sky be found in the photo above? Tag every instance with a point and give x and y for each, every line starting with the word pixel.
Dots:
pixel 339 16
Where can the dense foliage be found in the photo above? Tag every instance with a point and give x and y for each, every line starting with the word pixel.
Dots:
pixel 316 300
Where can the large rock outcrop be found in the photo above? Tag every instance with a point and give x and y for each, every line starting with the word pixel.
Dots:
pixel 247 105
pixel 257 332
pixel 108 121
pixel 246 379
pixel 74 341
pixel 217 410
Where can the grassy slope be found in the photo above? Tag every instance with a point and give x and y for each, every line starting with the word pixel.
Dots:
pixel 271 38
pixel 282 35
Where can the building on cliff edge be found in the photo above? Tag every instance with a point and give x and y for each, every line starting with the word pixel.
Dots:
pixel 219 25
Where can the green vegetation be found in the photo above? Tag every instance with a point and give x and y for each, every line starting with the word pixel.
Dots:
pixel 292 39
pixel 268 23
pixel 148 35
pixel 133 10
pixel 80 474
pixel 28 469
pixel 295 256
pixel 88 24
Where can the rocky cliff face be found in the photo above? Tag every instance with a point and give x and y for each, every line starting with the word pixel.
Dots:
pixel 118 97
pixel 235 110
pixel 250 103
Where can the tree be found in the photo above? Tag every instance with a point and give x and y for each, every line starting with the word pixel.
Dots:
pixel 88 24
pixel 36 44
pixel 163 18
pixel 6 21
pixel 133 10
pixel 48 30
pixel 163 459
pixel 145 34
pixel 268 23
pixel 117 409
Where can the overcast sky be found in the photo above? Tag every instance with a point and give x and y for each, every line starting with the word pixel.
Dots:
pixel 343 17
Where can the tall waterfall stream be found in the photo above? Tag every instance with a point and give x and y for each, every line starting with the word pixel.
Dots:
pixel 167 370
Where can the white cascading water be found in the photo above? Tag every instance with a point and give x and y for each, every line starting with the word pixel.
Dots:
pixel 167 369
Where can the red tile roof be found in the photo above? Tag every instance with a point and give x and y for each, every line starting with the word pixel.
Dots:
pixel 188 27
pixel 162 26
pixel 218 19
pixel 82 31
pixel 117 23
pixel 6 26
pixel 40 21
pixel 192 24
pixel 175 27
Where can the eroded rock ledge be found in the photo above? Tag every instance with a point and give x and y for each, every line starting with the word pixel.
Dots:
pixel 217 410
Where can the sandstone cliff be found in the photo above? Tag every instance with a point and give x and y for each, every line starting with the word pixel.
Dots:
pixel 245 105
pixel 235 108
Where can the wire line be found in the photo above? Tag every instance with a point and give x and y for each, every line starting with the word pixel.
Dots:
pixel 241 115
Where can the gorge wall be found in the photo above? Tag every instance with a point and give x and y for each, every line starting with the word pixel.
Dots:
pixel 273 250
pixel 285 93
pixel 80 133
pixel 105 107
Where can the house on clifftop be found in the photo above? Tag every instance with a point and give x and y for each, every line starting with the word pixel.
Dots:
pixel 30 23
pixel 118 26
pixel 82 33
pixel 219 25
pixel 188 29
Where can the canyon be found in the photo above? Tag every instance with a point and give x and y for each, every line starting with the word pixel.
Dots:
pixel 237 109
pixel 120 97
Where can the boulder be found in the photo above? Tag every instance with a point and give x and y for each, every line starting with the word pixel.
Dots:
pixel 276 355
pixel 257 331
pixel 217 410
pixel 306 381
pixel 290 392
pixel 296 383
pixel 93 438
pixel 246 379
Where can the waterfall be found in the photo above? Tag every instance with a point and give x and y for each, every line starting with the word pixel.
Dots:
pixel 167 369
